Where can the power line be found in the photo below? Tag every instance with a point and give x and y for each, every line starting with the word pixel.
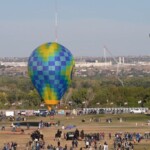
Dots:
pixel 117 72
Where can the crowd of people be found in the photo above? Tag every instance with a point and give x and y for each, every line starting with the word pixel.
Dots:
pixel 10 146
pixel 124 141
pixel 92 141
pixel 75 146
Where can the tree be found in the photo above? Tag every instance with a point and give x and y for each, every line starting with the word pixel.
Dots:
pixel 33 98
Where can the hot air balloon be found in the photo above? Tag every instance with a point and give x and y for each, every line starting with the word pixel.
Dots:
pixel 50 69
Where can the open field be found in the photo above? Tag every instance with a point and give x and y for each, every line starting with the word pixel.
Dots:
pixel 130 123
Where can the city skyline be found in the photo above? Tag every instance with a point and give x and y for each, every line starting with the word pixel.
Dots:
pixel 84 27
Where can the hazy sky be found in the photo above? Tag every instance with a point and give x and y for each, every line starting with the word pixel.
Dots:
pixel 84 26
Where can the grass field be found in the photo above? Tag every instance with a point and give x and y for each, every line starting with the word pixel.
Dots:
pixel 130 123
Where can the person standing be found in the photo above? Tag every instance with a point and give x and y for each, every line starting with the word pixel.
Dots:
pixel 105 146
pixel 87 144
pixel 100 146
pixel 109 135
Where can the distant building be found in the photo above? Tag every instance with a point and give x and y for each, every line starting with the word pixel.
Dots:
pixel 14 64
pixel 93 64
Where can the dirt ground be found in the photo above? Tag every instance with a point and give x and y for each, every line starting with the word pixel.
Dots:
pixel 88 126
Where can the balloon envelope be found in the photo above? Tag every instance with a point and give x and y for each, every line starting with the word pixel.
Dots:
pixel 50 69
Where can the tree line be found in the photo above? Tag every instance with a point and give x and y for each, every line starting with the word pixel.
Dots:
pixel 18 92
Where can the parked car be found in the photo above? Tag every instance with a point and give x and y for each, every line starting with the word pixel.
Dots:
pixel 22 112
pixel 137 111
pixel 41 112
pixel 52 113
pixel 9 113
pixel 70 135
pixel 101 111
pixel 44 113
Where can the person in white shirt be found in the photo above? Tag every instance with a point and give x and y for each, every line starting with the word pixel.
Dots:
pixel 105 146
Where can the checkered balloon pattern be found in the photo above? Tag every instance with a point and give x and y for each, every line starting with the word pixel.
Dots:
pixel 50 69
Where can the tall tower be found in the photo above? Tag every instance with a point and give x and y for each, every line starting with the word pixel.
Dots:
pixel 119 60
pixel 105 56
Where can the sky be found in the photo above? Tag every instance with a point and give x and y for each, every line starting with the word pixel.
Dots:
pixel 84 26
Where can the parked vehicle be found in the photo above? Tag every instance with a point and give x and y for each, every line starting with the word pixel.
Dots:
pixel 41 112
pixel 137 111
pixel 22 112
pixel 9 113
pixel 70 135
